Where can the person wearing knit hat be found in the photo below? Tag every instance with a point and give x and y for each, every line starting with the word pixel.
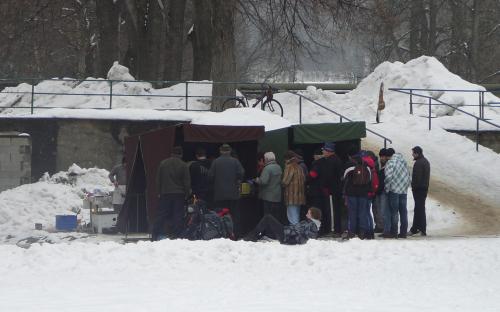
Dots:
pixel 225 148
pixel 270 186
pixel 226 173
pixel 174 186
pixel 419 187
pixel 327 172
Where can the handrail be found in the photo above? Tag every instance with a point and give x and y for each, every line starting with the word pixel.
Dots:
pixel 481 105
pixel 342 117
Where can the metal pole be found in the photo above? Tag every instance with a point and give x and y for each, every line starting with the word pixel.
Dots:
pixel 187 99
pixel 411 102
pixel 477 135
pixel 385 143
pixel 110 94
pixel 480 106
pixel 482 103
pixel 340 119
pixel 430 100
pixel 300 110
pixel 32 96
pixel 137 215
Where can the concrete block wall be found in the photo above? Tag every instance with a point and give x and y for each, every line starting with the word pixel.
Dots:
pixel 15 161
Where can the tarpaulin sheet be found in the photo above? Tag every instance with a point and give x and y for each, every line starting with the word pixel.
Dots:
pixel 328 132
pixel 221 134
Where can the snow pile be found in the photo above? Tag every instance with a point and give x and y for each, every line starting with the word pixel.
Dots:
pixel 59 194
pixel 453 158
pixel 222 275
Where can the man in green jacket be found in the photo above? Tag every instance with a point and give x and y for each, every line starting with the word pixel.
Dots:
pixel 270 186
pixel 174 186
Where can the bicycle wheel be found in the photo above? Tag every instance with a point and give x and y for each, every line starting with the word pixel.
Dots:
pixel 233 103
pixel 273 107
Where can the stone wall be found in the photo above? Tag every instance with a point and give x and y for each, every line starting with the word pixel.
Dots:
pixel 58 143
pixel 490 139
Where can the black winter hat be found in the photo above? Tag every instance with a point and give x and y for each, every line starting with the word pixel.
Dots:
pixel 417 150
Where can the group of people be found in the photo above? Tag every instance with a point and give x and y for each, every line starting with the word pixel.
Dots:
pixel 364 184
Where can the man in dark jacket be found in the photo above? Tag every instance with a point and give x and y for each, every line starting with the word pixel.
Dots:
pixel 419 187
pixel 357 185
pixel 295 234
pixel 199 175
pixel 226 173
pixel 328 171
pixel 174 186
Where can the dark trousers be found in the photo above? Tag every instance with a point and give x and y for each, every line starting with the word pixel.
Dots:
pixel 322 202
pixel 270 227
pixel 419 218
pixel 234 209
pixel 337 213
pixel 272 208
pixel 170 211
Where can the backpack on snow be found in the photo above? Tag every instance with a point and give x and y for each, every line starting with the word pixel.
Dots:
pixel 361 174
pixel 204 224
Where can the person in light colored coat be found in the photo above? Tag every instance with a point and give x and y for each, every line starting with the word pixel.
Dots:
pixel 293 187
pixel 269 183
pixel 397 181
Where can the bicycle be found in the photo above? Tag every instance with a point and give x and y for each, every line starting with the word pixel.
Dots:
pixel 265 100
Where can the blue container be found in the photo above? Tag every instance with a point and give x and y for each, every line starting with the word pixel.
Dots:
pixel 65 222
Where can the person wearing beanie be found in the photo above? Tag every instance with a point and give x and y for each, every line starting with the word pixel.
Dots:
pixel 328 171
pixel 293 187
pixel 269 183
pixel 174 186
pixel 226 173
pixel 419 187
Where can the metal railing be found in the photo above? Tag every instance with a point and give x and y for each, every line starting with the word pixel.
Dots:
pixel 481 104
pixel 341 117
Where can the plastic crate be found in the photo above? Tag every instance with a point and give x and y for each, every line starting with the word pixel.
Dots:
pixel 65 222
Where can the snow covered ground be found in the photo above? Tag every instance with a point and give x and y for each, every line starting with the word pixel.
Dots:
pixel 221 275
pixel 80 272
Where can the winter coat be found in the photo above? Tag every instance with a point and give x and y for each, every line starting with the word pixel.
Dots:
pixel 397 175
pixel 226 173
pixel 374 176
pixel 294 184
pixel 351 189
pixel 301 232
pixel 173 177
pixel 381 178
pixel 199 177
pixel 421 174
pixel 270 182
pixel 328 171
pixel 118 174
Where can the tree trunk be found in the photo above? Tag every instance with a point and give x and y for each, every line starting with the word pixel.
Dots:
pixel 107 19
pixel 224 64
pixel 175 40
pixel 475 37
pixel 202 39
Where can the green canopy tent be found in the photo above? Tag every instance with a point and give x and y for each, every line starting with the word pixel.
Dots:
pixel 308 137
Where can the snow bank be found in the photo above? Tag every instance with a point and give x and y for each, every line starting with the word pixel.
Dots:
pixel 220 275
pixel 59 194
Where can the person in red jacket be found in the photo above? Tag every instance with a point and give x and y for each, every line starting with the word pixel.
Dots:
pixel 368 159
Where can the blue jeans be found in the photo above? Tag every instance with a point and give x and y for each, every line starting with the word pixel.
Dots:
pixel 358 219
pixel 293 214
pixel 383 202
pixel 397 204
